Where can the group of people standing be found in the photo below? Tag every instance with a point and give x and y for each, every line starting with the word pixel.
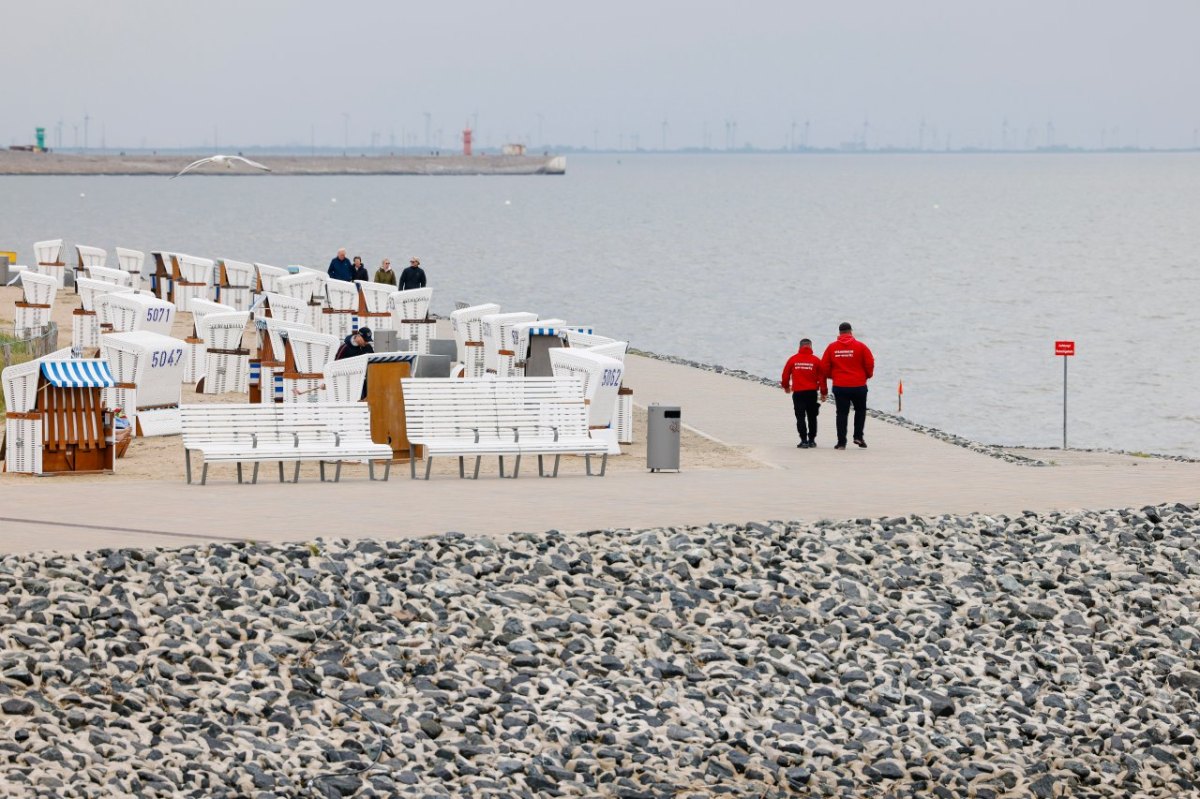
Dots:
pixel 849 364
pixel 342 268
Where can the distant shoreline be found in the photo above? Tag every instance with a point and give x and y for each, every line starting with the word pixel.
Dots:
pixel 51 163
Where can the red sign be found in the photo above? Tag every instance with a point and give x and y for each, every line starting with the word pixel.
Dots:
pixel 1064 348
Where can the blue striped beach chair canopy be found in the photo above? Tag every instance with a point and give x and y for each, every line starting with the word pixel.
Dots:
pixel 78 373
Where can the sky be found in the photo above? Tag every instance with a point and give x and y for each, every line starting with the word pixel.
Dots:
pixel 617 74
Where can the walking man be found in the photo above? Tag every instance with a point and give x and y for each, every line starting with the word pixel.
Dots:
pixel 850 364
pixel 340 268
pixel 413 277
pixel 803 377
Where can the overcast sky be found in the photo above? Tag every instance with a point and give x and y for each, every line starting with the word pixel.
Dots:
pixel 167 74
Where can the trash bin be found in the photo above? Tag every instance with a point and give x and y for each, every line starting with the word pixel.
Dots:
pixel 662 437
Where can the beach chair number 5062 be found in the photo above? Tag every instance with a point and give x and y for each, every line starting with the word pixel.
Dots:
pixel 165 358
pixel 612 377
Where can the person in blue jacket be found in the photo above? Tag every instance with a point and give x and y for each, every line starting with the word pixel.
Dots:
pixel 340 268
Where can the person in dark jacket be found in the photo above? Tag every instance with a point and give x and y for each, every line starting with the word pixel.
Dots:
pixel 413 277
pixel 340 268
pixel 849 364
pixel 357 343
pixel 360 271
pixel 803 377
pixel 384 273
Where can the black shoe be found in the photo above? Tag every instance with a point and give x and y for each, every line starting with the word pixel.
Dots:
pixel 812 444
pixel 862 444
pixel 802 445
pixel 840 446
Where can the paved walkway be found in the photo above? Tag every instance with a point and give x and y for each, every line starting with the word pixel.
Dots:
pixel 901 473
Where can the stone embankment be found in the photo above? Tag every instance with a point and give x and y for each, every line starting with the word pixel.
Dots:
pixel 1028 656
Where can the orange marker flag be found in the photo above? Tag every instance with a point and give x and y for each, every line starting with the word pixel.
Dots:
pixel 900 397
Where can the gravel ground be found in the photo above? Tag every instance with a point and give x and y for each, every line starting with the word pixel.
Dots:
pixel 1038 655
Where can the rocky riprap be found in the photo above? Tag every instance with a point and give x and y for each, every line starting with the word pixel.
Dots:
pixel 1026 656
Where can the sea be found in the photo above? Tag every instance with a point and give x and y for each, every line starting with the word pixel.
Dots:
pixel 960 271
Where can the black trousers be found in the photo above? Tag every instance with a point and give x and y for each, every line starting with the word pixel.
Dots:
pixel 844 398
pixel 807 406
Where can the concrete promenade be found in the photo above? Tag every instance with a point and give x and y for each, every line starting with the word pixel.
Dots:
pixel 902 472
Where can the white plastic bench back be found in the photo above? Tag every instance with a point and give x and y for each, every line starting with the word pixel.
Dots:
pixel 495 329
pixel 576 338
pixel 289 309
pixel 117 277
pixel 375 295
pixel 49 251
pixel 344 378
pixel 602 379
pixel 90 256
pixel 131 311
pixel 311 350
pixel 91 290
pixel 467 323
pixel 410 304
pixel 38 289
pixel 340 295
pixel 152 361
pixel 269 277
pixel 131 261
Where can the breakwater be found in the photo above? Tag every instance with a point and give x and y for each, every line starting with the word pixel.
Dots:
pixel 28 163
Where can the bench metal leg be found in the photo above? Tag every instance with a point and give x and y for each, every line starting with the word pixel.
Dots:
pixel 517 466
pixel 187 464
pixel 387 470
pixel 281 471
pixel 461 473
pixel 587 459
pixel 337 472
pixel 557 459
pixel 254 477
pixel 541 467
pixel 502 466
pixel 239 472
pixel 204 474
pixel 428 465
pixel 478 459
pixel 321 470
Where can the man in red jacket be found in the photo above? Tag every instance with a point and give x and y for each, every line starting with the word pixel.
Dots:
pixel 803 377
pixel 850 364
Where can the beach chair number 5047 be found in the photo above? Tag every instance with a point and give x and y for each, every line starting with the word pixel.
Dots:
pixel 165 358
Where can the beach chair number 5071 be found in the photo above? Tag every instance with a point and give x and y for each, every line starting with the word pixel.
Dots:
pixel 158 314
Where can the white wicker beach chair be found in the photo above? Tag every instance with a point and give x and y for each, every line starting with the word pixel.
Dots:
pixel 148 368
pixel 339 316
pixel 22 426
pixel 195 280
pixel 497 357
pixel 269 277
pixel 344 379
pixel 410 312
pixel 601 377
pixel 373 310
pixel 49 260
pixel 237 279
pixel 34 309
pixel 288 309
pixel 467 324
pixel 131 261
pixel 117 277
pixel 87 257
pixel 307 354
pixel 226 361
pixel 130 311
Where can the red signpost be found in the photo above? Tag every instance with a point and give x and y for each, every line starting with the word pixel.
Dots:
pixel 1065 349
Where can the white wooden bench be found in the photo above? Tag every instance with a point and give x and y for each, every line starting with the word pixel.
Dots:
pixel 479 417
pixel 257 433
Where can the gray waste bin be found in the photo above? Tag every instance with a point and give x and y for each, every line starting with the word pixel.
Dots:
pixel 3 270
pixel 662 437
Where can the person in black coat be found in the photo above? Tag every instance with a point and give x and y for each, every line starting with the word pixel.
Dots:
pixel 413 277
pixel 357 343
pixel 360 271
pixel 340 268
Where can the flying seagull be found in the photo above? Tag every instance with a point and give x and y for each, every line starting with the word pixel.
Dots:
pixel 226 160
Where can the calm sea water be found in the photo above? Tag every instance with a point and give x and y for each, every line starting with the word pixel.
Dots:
pixel 959 271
